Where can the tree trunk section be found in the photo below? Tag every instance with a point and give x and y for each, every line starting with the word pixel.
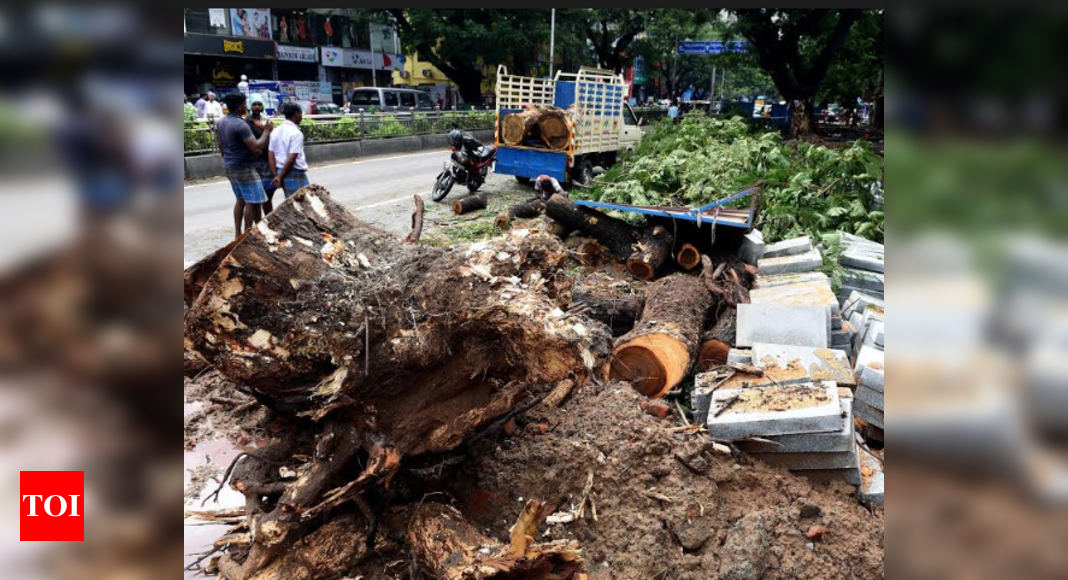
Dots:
pixel 659 352
pixel 616 308
pixel 417 222
pixel 554 129
pixel 516 126
pixel 616 235
pixel 688 257
pixel 717 341
pixel 800 118
pixel 526 210
pixel 469 204
pixel 652 253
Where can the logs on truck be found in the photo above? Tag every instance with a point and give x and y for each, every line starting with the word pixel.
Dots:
pixel 539 127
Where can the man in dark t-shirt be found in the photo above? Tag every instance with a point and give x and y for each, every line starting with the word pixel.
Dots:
pixel 241 162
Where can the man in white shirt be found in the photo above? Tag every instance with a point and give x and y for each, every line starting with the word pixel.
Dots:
pixel 213 108
pixel 286 152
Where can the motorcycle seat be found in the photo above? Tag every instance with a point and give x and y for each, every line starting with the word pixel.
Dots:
pixel 486 151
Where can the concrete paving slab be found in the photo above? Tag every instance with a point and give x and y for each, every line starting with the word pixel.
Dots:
pixel 871 397
pixel 781 324
pixel 788 279
pixel 837 442
pixel 868 356
pixel 850 475
pixel 820 363
pixel 740 356
pixel 862 410
pixel 793 264
pixel 804 461
pixel 858 301
pixel 775 410
pixel 862 260
pixel 872 378
pixel 752 247
pixel 872 479
pixel 815 293
pixel 790 247
pixel 869 281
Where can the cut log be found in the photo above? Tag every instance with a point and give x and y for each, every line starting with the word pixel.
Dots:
pixel 554 129
pixel 617 308
pixel 616 235
pixel 717 341
pixel 469 203
pixel 516 126
pixel 559 230
pixel 531 208
pixel 417 223
pixel 688 257
pixel 651 254
pixel 396 350
pixel 446 546
pixel 659 352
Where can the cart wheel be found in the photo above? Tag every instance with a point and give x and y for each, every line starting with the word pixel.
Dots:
pixel 583 173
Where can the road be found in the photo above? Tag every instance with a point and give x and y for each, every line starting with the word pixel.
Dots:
pixel 379 190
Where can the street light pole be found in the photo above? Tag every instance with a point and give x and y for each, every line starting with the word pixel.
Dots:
pixel 371 35
pixel 552 42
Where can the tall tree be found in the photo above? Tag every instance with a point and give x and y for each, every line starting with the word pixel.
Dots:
pixel 796 48
pixel 610 32
pixel 460 42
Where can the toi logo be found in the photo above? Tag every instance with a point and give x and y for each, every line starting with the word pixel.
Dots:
pixel 51 506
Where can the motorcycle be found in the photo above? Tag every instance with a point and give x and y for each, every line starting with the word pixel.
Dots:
pixel 470 169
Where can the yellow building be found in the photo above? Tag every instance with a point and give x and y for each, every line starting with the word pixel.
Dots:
pixel 417 73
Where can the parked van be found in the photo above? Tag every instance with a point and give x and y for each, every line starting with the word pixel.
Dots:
pixel 387 99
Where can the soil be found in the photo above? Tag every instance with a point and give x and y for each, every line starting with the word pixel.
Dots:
pixel 779 398
pixel 224 412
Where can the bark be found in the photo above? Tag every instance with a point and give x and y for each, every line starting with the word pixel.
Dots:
pixel 688 257
pixel 659 352
pixel 526 210
pixel 417 223
pixel 469 204
pixel 197 275
pixel 615 307
pixel 728 282
pixel 717 341
pixel 516 127
pixel 651 254
pixel 616 235
pixel 446 546
pixel 393 350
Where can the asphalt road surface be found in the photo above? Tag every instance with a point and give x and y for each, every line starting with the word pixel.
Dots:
pixel 379 190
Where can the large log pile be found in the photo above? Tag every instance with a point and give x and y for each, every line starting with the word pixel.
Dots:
pixel 542 127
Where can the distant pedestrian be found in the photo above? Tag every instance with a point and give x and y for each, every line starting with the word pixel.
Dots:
pixel 548 186
pixel 286 152
pixel 673 111
pixel 240 164
pixel 440 102
pixel 213 109
pixel 200 105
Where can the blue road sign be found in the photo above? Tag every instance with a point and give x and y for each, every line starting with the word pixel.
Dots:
pixel 713 46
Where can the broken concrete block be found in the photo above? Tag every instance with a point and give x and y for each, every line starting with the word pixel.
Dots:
pixel 862 410
pixel 872 480
pixel 817 363
pixel 775 410
pixel 858 301
pixel 862 260
pixel 806 262
pixel 837 442
pixel 867 281
pixel 847 289
pixel 869 356
pixel 871 397
pixel 788 247
pixel 740 356
pixel 872 378
pixel 789 279
pixel 752 248
pixel 781 324
pixel 701 396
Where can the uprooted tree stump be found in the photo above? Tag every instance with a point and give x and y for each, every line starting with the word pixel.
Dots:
pixel 386 350
pixel 659 352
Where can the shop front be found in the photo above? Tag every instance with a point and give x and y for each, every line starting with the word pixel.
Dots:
pixel 352 68
pixel 216 63
pixel 298 63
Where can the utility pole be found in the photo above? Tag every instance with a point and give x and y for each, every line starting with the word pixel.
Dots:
pixel 712 90
pixel 374 71
pixel 552 41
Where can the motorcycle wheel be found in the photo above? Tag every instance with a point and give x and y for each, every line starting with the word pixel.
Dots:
pixel 442 186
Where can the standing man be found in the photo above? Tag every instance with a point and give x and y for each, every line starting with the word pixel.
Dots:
pixel 213 108
pixel 286 152
pixel 258 123
pixel 239 148
pixel 201 104
pixel 243 85
pixel 673 111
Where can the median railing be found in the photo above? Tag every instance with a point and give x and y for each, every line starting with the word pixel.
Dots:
pixel 200 135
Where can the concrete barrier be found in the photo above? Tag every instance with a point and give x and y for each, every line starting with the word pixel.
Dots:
pixel 210 164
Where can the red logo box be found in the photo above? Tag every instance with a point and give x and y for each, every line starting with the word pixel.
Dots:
pixel 52 506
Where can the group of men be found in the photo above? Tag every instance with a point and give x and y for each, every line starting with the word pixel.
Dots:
pixel 259 158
